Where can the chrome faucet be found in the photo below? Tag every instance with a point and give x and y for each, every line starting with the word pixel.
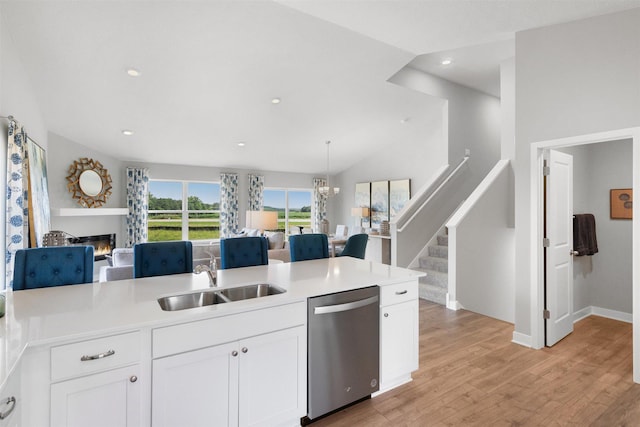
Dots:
pixel 211 270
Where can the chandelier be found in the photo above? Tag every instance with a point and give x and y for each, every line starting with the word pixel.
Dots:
pixel 327 190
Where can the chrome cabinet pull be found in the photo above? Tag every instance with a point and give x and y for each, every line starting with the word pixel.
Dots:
pixel 98 356
pixel 234 353
pixel 133 378
pixel 9 401
pixel 245 349
pixel 386 315
pixel 401 292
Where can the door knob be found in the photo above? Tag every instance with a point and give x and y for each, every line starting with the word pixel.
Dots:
pixel 574 253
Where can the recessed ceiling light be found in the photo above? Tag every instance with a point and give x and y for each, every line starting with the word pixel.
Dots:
pixel 276 101
pixel 405 120
pixel 241 144
pixel 127 132
pixel 446 61
pixel 133 72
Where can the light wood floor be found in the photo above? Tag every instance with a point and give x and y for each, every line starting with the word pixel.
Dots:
pixel 471 374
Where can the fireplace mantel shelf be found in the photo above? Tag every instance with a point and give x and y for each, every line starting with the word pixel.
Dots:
pixel 88 211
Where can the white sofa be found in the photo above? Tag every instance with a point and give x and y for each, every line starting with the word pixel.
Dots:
pixel 121 267
pixel 278 250
pixel 122 258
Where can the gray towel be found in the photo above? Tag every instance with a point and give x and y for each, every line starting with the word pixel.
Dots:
pixel 584 234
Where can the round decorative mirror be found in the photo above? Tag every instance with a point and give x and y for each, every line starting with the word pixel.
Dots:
pixel 89 182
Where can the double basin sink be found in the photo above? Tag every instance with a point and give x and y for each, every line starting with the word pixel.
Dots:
pixel 211 297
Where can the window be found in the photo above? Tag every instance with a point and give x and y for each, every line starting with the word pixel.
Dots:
pixel 183 210
pixel 293 207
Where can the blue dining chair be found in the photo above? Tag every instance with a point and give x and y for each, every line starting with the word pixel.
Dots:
pixel 356 246
pixel 52 266
pixel 243 252
pixel 304 247
pixel 162 258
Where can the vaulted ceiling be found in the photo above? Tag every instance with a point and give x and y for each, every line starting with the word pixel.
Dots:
pixel 209 71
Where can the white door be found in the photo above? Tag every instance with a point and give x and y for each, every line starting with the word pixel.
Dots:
pixel 559 232
pixel 197 388
pixel 110 398
pixel 273 378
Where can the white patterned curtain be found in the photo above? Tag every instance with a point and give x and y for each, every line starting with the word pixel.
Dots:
pixel 138 204
pixel 17 185
pixel 256 188
pixel 319 203
pixel 228 204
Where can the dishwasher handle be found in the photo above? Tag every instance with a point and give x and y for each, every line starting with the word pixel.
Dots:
pixel 326 309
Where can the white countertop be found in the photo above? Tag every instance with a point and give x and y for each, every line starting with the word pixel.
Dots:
pixel 48 315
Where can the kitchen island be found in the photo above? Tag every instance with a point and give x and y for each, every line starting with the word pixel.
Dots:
pixel 139 353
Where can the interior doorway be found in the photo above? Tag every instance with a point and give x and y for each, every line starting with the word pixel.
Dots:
pixel 537 231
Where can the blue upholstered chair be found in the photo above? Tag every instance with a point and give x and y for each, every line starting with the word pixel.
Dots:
pixel 243 252
pixel 162 258
pixel 52 266
pixel 308 246
pixel 356 246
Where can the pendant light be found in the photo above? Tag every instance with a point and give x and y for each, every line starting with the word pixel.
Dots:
pixel 327 190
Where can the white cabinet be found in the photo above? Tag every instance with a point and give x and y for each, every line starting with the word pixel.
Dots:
pixel 399 323
pixel 259 380
pixel 97 382
pixel 110 398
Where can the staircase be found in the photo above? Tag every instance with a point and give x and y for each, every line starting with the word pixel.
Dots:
pixel 434 286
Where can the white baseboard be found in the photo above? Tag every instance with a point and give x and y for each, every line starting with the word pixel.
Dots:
pixel 582 314
pixel 613 314
pixel 602 312
pixel 521 339
pixel 453 305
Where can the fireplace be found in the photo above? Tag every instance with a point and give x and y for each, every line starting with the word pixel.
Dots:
pixel 102 244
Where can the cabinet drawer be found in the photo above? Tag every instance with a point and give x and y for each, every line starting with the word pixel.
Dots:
pixel 90 356
pixel 398 292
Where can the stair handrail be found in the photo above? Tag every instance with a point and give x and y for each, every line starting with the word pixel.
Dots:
pixel 400 218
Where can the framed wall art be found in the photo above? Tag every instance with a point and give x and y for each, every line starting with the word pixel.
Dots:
pixel 379 203
pixel 621 203
pixel 399 195
pixel 39 209
pixel 363 200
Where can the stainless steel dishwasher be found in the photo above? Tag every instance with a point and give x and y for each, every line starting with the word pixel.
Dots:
pixel 343 349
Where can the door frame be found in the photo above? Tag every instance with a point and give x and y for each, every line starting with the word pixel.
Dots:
pixel 537 231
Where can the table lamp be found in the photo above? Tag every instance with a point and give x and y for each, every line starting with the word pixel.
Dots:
pixel 360 213
pixel 262 220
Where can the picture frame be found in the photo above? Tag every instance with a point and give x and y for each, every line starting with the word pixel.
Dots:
pixel 38 193
pixel 379 203
pixel 621 203
pixel 363 200
pixel 399 195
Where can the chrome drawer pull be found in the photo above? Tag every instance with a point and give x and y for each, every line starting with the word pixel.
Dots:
pixel 98 356
pixel 401 292
pixel 10 401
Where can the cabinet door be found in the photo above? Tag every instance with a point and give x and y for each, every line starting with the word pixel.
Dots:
pixel 11 400
pixel 197 388
pixel 273 379
pixel 107 399
pixel 398 343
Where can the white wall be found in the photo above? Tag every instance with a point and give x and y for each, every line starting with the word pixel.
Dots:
pixel 61 154
pixel 17 98
pixel 571 79
pixel 481 249
pixel 466 119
